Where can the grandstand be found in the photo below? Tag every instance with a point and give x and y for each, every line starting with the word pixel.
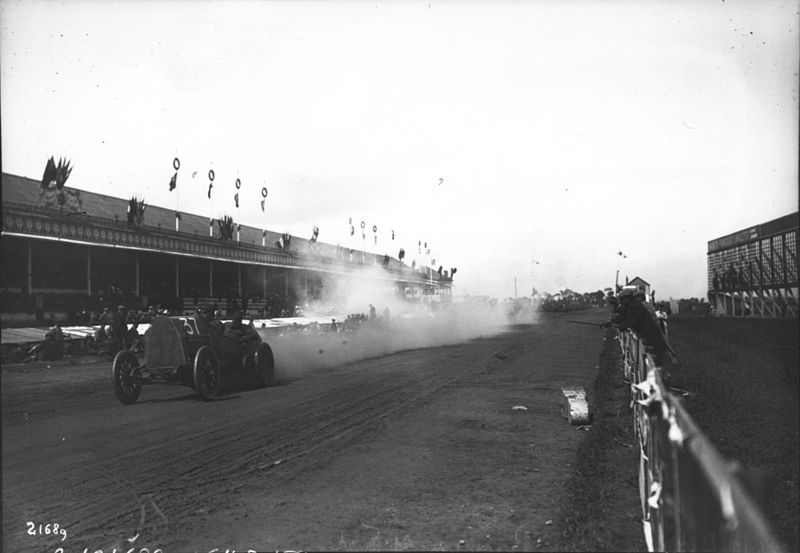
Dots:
pixel 753 272
pixel 66 250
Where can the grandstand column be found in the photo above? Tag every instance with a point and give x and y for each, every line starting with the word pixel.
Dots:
pixel 88 271
pixel 263 282
pixel 29 272
pixel 210 278
pixel 136 287
pixel 239 279
pixel 177 277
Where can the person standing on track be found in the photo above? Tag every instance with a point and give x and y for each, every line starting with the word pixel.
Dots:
pixel 119 325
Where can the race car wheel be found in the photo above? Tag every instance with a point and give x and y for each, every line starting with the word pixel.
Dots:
pixel 207 376
pixel 264 365
pixel 125 379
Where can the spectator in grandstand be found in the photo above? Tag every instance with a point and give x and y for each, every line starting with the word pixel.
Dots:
pixel 731 278
pixel 715 280
pixel 106 316
pixel 741 278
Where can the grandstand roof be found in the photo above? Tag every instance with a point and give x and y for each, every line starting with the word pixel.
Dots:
pixel 27 196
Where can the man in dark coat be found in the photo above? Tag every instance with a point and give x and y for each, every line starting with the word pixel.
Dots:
pixel 637 317
pixel 119 324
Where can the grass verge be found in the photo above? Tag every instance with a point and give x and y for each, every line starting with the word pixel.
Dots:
pixel 601 511
pixel 742 375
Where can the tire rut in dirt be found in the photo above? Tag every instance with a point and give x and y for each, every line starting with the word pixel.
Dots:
pixel 227 453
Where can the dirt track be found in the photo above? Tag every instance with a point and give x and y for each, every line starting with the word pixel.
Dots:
pixel 414 450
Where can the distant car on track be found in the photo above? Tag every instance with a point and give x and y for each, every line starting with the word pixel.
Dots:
pixel 192 352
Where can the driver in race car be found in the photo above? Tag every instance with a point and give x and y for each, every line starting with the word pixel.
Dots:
pixel 239 331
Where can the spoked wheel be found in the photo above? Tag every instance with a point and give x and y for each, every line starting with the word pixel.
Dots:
pixel 264 365
pixel 125 377
pixel 207 376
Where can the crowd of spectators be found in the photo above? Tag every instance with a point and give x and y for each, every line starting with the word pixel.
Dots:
pixel 732 279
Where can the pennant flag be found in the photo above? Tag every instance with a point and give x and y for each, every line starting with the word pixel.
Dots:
pixel 49 172
pixel 262 205
pixel 56 173
pixel 236 199
pixel 210 182
pixel 173 182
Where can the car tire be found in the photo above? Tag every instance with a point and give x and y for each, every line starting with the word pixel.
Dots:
pixel 125 378
pixel 264 365
pixel 207 374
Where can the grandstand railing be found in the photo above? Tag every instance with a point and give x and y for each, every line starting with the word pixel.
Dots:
pixel 691 497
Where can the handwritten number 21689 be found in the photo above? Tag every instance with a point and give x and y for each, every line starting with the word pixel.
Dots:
pixel 54 529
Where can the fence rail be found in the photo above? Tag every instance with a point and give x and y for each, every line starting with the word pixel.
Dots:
pixel 691 496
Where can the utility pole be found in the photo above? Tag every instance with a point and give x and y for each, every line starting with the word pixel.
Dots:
pixel 515 287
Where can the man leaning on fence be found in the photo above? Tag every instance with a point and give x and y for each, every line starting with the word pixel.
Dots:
pixel 634 315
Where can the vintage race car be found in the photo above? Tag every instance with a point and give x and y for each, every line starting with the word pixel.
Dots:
pixel 191 352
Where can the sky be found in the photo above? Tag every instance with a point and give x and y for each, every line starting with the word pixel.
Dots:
pixel 526 142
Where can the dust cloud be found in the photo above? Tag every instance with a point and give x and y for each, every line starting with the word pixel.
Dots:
pixel 312 342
